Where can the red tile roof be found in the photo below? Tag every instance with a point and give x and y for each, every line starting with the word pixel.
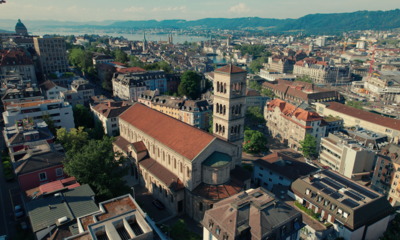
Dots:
pixel 130 70
pixel 230 68
pixel 14 57
pixel 218 192
pixel 364 115
pixel 162 173
pixel 290 110
pixel 180 137
pixel 139 146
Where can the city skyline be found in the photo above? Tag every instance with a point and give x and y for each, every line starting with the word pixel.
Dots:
pixel 102 10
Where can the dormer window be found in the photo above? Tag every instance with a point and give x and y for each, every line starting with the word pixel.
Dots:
pixel 210 224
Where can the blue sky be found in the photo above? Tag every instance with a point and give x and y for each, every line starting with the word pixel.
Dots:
pixel 98 10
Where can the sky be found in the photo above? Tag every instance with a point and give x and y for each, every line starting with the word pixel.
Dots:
pixel 99 10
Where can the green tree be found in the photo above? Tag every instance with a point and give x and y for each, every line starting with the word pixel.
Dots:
pixel 135 62
pixel 254 85
pixel 257 64
pixel 120 56
pixel 254 115
pixel 304 78
pixel 81 59
pixel 50 124
pixel 393 230
pixel 83 116
pixel 95 164
pixel 97 132
pixel 268 93
pixel 72 140
pixel 190 85
pixel 309 146
pixel 254 142
pixel 354 104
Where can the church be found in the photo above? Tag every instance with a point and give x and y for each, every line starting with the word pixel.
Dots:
pixel 186 168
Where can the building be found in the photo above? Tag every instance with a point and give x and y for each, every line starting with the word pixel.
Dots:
pixel 20 28
pixel 229 103
pixel 54 215
pixel 21 93
pixel 193 112
pixel 254 214
pixel 254 99
pixel 278 169
pixel 52 90
pixel 58 110
pixel 102 58
pixel 355 211
pixel 39 164
pixel 108 114
pixel 271 75
pixel 290 123
pixel 345 155
pixel 117 218
pixel 281 64
pixel 52 54
pixel 187 169
pixel 17 62
pixel 355 117
pixel 333 124
pixel 23 134
pixel 383 87
pixel 298 92
pixel 386 175
pixel 320 71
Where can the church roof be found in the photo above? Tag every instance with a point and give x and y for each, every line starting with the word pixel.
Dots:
pixel 230 68
pixel 186 140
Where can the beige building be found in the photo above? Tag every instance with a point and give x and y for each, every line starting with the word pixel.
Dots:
pixel 16 63
pixel 320 71
pixel 290 124
pixel 356 117
pixel 52 54
pixel 386 177
pixel 344 155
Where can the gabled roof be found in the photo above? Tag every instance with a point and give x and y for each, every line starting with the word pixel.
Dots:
pixel 40 161
pixel 290 110
pixel 178 136
pixel 111 109
pixel 230 68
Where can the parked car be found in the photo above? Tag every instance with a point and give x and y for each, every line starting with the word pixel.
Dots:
pixel 18 211
pixel 158 204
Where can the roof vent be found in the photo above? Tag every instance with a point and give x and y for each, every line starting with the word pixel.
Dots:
pixel 62 220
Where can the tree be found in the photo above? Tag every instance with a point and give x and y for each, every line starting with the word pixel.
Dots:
pixel 72 140
pixel 255 115
pixel 254 85
pixel 97 132
pixel 268 93
pixel 50 124
pixel 190 85
pixel 83 116
pixel 304 78
pixel 309 146
pixel 81 59
pixel 95 164
pixel 254 142
pixel 393 230
pixel 120 56
pixel 257 64
pixel 354 104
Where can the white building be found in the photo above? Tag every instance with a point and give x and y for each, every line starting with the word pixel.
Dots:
pixel 344 155
pixel 58 110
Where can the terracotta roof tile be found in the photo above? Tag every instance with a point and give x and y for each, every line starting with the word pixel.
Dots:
pixel 181 137
pixel 139 146
pixel 230 68
pixel 130 70
pixel 290 110
pixel 364 115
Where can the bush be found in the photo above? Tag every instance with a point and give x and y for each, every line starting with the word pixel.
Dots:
pixel 309 212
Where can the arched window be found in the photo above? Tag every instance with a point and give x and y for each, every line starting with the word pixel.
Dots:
pixel 220 108
pixel 224 87
pixel 224 109
pixel 236 129
pixel 232 130
pixel 223 129
pixel 217 106
pixel 233 109
pixel 217 86
pixel 240 109
pixel 216 127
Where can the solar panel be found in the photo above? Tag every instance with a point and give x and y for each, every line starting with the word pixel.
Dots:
pixel 318 185
pixel 333 184
pixel 336 195
pixel 328 191
pixel 350 203
pixel 354 195
pixel 350 184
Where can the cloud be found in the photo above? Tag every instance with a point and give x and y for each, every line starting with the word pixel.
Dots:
pixel 240 8
pixel 170 9
pixel 134 9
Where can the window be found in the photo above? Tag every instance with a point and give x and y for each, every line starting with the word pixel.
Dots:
pixel 59 172
pixel 42 176
pixel 218 231
pixel 200 206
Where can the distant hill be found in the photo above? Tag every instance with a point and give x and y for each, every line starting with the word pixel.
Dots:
pixel 331 22
pixel 312 23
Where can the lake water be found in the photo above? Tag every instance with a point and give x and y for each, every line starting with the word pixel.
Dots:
pixel 132 37
pixel 218 59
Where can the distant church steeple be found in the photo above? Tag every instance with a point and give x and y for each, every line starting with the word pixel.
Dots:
pixel 144 42
pixel 20 28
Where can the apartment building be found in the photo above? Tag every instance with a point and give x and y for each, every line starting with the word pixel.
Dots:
pixel 383 87
pixel 297 92
pixel 355 211
pixel 253 214
pixel 353 117
pixel 345 155
pixel 108 113
pixel 290 123
pixel 52 53
pixel 58 110
pixel 17 61
pixel 281 64
pixel 386 177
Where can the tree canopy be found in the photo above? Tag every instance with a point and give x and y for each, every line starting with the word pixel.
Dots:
pixel 254 142
pixel 81 59
pixel 190 85
pixel 83 116
pixel 254 115
pixel 120 56
pixel 95 163
pixel 304 78
pixel 309 146
pixel 73 139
